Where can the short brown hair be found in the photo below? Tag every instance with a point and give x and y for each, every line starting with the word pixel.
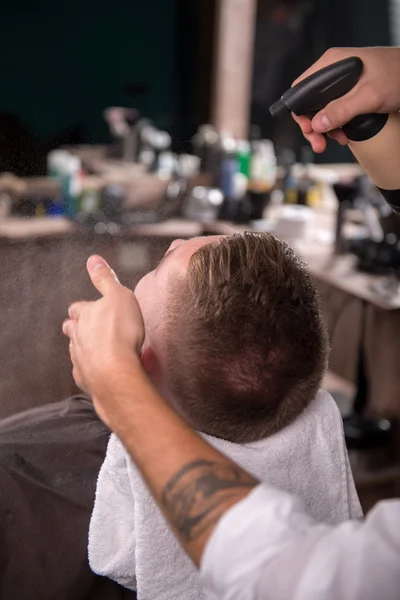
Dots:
pixel 246 344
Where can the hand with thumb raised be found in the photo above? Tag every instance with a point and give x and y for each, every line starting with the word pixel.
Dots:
pixel 106 335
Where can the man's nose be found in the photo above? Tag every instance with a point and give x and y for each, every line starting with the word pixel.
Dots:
pixel 175 244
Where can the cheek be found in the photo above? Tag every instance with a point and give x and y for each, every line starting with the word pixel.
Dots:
pixel 145 292
pixel 141 291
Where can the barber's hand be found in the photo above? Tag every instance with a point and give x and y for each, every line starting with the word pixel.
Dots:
pixel 377 91
pixel 106 336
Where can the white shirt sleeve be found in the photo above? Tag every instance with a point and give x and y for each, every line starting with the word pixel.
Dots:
pixel 267 548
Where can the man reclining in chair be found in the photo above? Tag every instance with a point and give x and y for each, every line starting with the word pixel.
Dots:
pixel 236 343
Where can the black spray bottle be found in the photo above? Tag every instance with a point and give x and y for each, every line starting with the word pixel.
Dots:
pixel 374 139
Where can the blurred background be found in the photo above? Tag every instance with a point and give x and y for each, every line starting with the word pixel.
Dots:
pixel 62 65
pixel 126 125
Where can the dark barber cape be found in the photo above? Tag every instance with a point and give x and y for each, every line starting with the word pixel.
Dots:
pixel 49 462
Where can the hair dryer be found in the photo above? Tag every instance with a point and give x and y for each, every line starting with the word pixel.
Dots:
pixel 374 139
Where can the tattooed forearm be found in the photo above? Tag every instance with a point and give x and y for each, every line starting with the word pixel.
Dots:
pixel 196 496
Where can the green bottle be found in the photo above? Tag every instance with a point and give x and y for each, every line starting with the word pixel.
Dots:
pixel 243 156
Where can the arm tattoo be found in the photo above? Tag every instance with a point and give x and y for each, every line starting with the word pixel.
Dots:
pixel 195 496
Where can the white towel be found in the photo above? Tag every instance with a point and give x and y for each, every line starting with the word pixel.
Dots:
pixel 130 542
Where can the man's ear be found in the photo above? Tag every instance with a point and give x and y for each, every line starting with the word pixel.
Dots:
pixel 148 359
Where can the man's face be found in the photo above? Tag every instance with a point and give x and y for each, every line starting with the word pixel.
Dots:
pixel 152 290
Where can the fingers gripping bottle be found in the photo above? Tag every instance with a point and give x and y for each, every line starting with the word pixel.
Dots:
pixel 374 138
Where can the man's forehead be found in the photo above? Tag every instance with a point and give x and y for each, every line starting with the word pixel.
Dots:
pixel 175 267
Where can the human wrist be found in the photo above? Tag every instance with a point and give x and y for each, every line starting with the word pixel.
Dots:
pixel 115 392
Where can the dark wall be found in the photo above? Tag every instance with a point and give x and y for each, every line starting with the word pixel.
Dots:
pixel 196 48
pixel 372 23
pixel 62 63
